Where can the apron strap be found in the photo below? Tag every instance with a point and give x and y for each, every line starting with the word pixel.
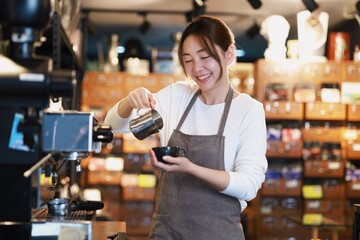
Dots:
pixel 228 100
pixel 187 110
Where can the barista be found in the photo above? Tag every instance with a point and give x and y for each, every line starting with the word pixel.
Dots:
pixel 201 195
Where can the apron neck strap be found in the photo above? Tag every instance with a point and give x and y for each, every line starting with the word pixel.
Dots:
pixel 187 110
pixel 228 100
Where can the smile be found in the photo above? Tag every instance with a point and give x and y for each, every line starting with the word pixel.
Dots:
pixel 204 76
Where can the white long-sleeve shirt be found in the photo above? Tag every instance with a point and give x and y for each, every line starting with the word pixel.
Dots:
pixel 245 133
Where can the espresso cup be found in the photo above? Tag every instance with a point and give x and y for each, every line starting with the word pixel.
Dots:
pixel 172 151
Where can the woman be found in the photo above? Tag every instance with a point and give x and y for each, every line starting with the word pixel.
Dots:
pixel 201 195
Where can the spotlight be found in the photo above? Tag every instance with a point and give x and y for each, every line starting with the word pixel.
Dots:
pixel 255 4
pixel 310 5
pixel 145 26
pixel 198 9
pixel 253 31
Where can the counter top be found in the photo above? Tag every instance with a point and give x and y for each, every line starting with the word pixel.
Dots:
pixel 102 229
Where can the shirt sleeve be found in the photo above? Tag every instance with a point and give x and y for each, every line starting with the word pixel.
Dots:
pixel 250 163
pixel 117 123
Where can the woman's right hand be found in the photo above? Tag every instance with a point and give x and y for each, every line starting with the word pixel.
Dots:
pixel 141 98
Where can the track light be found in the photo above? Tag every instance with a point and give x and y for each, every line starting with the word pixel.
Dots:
pixel 310 5
pixel 255 4
pixel 145 25
pixel 198 9
pixel 253 31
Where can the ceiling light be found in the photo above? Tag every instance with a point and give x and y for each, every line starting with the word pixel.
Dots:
pixel 255 4
pixel 310 5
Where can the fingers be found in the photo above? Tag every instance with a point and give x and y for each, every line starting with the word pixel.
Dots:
pixel 152 101
pixel 141 98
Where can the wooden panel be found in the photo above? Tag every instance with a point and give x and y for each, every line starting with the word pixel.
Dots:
pixel 324 169
pixel 353 150
pixel 329 207
pixel 138 194
pixel 286 110
pixel 325 111
pixel 104 177
pixel 353 112
pixel 353 189
pixel 282 149
pixel 322 72
pixel 282 187
pixel 352 72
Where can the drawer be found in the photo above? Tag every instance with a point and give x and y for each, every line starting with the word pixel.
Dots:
pixel 353 150
pixel 353 189
pixel 282 187
pixel 280 205
pixel 281 149
pixel 286 110
pixel 277 225
pixel 333 188
pixel 138 194
pixel 324 169
pixel 104 177
pixel 325 111
pixel 328 207
pixel 352 72
pixel 353 112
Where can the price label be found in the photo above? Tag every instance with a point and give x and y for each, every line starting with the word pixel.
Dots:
pixel 312 191
pixel 312 219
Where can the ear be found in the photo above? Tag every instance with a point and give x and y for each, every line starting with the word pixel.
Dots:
pixel 230 54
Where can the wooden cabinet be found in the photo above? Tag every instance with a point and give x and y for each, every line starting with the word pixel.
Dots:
pixel 322 124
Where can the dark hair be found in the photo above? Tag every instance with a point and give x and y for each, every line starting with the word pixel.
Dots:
pixel 210 31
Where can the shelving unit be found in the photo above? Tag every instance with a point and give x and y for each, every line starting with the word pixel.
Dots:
pixel 304 178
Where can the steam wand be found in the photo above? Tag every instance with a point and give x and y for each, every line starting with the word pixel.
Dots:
pixel 39 163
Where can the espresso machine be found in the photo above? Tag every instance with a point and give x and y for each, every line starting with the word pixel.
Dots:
pixel 30 134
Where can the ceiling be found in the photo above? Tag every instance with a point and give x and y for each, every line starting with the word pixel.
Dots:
pixel 168 16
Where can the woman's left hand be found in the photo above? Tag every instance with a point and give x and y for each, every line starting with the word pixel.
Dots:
pixel 174 164
pixel 217 179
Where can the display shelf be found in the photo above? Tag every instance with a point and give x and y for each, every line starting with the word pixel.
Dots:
pixel 291 92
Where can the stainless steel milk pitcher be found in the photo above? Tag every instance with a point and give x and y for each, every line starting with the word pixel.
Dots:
pixel 146 124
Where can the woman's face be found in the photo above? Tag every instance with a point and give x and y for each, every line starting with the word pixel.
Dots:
pixel 202 68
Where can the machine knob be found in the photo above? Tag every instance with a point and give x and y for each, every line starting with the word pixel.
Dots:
pixel 102 133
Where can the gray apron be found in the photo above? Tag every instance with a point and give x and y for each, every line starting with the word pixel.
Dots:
pixel 186 207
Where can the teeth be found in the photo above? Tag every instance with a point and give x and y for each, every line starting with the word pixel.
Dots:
pixel 204 76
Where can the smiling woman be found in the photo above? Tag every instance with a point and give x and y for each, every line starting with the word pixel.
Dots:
pixel 224 162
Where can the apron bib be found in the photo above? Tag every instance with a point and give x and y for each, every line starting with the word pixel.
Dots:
pixel 186 207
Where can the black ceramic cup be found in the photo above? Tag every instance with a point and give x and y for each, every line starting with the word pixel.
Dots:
pixel 160 152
